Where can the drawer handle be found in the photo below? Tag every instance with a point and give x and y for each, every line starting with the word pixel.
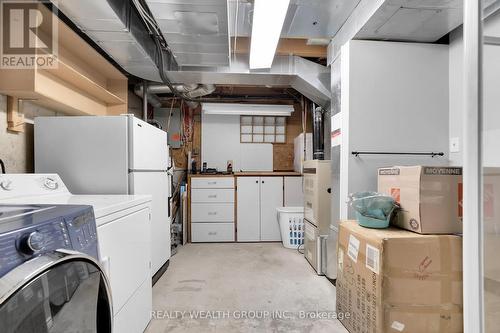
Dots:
pixel 212 183
pixel 213 196
pixel 212 213
pixel 212 233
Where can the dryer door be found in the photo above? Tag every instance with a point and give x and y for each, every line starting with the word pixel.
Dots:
pixel 63 292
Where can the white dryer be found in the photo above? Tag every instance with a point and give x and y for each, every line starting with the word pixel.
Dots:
pixel 124 233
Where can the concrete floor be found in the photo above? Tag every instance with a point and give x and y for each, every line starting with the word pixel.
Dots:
pixel 260 287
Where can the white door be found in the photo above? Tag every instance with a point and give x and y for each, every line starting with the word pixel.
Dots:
pixel 148 146
pixel 125 243
pixel 155 184
pixel 248 208
pixel 294 194
pixel 271 197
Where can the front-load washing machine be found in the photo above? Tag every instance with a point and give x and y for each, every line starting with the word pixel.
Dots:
pixel 50 278
pixel 124 232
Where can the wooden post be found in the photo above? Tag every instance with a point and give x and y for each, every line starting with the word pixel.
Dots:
pixel 15 119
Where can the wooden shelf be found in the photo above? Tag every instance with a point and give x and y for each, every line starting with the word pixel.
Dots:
pixel 84 83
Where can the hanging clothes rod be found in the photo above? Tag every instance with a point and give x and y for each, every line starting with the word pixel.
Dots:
pixel 431 154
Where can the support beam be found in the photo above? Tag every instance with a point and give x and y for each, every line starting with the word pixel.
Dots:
pixel 286 46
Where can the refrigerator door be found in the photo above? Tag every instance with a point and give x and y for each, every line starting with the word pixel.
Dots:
pixel 155 183
pixel 148 146
pixel 89 153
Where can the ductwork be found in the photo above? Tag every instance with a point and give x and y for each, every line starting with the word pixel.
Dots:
pixel 192 90
pixel 310 79
pixel 118 29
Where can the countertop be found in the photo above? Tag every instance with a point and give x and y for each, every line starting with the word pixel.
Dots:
pixel 266 173
pixel 251 173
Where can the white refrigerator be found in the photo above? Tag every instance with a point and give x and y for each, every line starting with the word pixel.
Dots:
pixel 110 155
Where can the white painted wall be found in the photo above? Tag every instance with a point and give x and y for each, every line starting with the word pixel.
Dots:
pixel 491 106
pixel 394 98
pixel 220 142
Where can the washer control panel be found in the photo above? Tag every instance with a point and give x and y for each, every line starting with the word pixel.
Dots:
pixel 27 231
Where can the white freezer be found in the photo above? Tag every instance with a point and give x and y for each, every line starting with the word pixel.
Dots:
pixel 89 153
pixel 110 155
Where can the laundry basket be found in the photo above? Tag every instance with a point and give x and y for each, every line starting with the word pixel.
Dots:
pixel 291 221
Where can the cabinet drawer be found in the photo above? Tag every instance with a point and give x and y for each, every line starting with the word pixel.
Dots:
pixel 213 182
pixel 212 195
pixel 212 232
pixel 212 212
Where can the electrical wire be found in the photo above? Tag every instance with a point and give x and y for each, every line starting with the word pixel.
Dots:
pixel 170 115
pixel 158 39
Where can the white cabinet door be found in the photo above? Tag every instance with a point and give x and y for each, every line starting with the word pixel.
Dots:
pixel 248 228
pixel 294 195
pixel 271 197
pixel 125 249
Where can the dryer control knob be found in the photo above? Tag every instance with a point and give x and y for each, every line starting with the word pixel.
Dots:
pixel 50 184
pixel 6 185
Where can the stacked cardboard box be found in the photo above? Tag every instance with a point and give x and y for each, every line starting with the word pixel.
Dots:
pixel 430 197
pixel 393 280
pixel 396 280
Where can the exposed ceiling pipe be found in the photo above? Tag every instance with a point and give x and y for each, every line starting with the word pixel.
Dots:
pixel 145 100
pixel 318 130
pixel 189 90
pixel 164 89
pixel 202 90
pixel 152 99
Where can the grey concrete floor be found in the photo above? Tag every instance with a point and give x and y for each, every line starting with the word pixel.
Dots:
pixel 259 287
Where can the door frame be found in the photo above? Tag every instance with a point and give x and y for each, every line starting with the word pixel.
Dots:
pixel 473 292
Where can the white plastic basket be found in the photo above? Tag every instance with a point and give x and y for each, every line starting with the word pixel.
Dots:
pixel 291 220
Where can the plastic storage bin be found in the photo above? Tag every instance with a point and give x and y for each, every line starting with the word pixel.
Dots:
pixel 291 221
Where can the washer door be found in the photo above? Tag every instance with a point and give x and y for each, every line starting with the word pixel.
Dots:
pixel 63 292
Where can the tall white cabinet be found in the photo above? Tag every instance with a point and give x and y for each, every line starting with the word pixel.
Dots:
pixel 257 200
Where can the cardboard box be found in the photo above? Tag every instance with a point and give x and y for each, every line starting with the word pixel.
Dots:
pixel 430 197
pixel 393 280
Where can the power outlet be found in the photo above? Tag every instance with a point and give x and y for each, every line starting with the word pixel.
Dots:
pixel 454 145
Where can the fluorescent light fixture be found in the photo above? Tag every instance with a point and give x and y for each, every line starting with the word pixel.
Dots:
pixel 247 109
pixel 268 18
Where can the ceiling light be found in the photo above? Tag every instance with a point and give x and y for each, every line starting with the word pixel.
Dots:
pixel 247 109
pixel 268 18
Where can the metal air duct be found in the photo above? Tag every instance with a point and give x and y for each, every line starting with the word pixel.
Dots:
pixel 119 30
pixel 310 79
